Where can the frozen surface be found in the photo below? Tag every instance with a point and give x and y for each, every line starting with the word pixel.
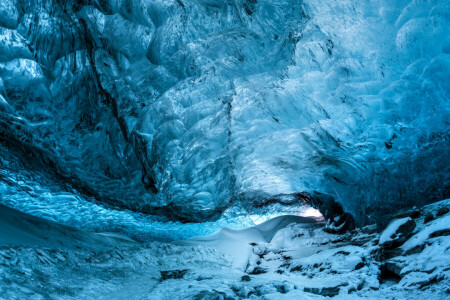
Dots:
pixel 288 258
pixel 185 108
pixel 237 242
pixel 122 123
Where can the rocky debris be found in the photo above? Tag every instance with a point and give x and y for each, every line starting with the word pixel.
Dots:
pixel 245 278
pixel 173 274
pixel 442 232
pixel 360 265
pixel 298 268
pixel 257 271
pixel 442 211
pixel 405 213
pixel 397 233
pixel 212 295
pixel 324 291
pixel 428 218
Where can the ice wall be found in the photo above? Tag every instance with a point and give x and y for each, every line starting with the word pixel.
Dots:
pixel 186 107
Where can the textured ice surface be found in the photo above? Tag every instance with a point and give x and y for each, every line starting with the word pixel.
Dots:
pixel 185 107
pixel 32 192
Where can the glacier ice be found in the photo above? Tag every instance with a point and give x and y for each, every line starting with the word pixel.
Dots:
pixel 188 107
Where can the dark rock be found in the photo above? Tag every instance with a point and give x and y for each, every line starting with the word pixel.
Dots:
pixel 359 265
pixel 415 214
pixel 428 218
pixel 432 280
pixel 415 250
pixel 389 253
pixel 200 278
pixel 442 211
pixel 324 291
pixel 282 288
pixel 443 232
pixel 211 295
pixel 297 268
pixel 369 228
pixel 393 267
pixel 257 271
pixel 342 252
pixel 173 274
pixel 389 272
pixel 401 234
pixel 412 213
pixel 245 278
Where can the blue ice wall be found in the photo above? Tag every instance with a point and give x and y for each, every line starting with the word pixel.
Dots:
pixel 186 107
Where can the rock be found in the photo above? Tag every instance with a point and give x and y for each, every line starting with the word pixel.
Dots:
pixel 442 211
pixel 211 295
pixel 428 218
pixel 173 274
pixel 245 278
pixel 359 265
pixel 258 270
pixel 324 291
pixel 397 232
pixel 415 214
pixel 443 232
pixel 412 213
pixel 369 228
pixel 392 267
pixel 390 272
pixel 297 268
pixel 415 250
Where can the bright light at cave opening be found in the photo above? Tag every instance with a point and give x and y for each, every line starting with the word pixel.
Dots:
pixel 311 212
pixel 304 212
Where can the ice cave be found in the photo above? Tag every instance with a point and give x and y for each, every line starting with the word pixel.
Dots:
pixel 224 149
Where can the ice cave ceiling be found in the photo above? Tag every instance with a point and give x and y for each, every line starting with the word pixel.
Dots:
pixel 184 108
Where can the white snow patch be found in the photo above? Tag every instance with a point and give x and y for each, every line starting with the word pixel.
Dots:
pixel 419 238
pixel 392 229
pixel 236 242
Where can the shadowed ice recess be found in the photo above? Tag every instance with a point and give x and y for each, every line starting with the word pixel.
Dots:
pixel 73 210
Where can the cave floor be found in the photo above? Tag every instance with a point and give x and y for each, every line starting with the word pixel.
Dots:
pixel 286 257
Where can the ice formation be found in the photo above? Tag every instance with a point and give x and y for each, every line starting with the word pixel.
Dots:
pixel 186 108
pixel 221 149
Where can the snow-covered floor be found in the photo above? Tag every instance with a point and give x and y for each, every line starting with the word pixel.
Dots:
pixel 287 257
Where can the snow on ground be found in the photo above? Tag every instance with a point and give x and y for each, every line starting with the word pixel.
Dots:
pixel 287 257
pixel 237 242
pixel 391 230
